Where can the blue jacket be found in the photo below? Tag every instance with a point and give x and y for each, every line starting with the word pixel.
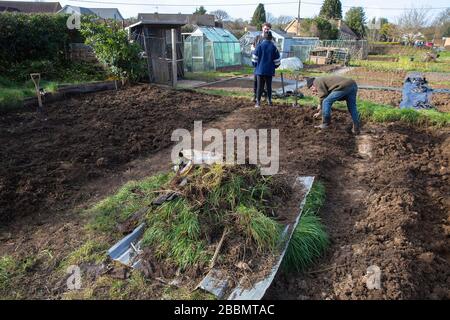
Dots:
pixel 266 58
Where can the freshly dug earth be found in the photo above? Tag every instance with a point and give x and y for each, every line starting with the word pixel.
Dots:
pixel 441 101
pixel 44 163
pixel 395 78
pixel 387 191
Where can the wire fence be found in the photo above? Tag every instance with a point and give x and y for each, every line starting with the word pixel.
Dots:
pixel 356 49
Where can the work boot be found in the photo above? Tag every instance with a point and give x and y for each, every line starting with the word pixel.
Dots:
pixel 322 126
pixel 356 129
pixel 325 124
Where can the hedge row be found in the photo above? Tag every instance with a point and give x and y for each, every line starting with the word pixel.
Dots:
pixel 31 37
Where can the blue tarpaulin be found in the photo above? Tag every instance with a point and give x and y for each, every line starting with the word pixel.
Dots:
pixel 416 93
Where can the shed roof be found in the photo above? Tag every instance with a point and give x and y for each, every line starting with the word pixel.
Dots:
pixel 30 6
pixel 176 19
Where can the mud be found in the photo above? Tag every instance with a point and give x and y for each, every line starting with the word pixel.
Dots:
pixel 387 191
pixel 44 163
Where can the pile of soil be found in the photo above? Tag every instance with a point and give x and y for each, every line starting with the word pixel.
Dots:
pixel 43 164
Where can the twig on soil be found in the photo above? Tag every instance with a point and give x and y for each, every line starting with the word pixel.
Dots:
pixel 327 269
pixel 168 190
pixel 216 253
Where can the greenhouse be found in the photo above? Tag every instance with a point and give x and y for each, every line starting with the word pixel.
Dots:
pixel 287 44
pixel 209 48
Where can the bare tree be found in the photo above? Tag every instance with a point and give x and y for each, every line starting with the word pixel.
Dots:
pixel 441 24
pixel 411 23
pixel 271 18
pixel 220 15
pixel 283 21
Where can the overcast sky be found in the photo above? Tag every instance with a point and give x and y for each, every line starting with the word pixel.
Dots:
pixel 309 8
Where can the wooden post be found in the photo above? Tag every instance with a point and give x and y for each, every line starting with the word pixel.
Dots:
pixel 149 69
pixel 174 58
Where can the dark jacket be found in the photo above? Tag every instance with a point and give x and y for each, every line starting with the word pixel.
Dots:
pixel 325 85
pixel 266 58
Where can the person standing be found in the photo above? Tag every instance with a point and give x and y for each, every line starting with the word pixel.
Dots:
pixel 266 27
pixel 265 59
pixel 331 89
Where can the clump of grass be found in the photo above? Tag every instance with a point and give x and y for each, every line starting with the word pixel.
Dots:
pixel 215 197
pixel 174 234
pixel 258 227
pixel 370 111
pixel 174 293
pixel 404 63
pixel 90 252
pixel 12 271
pixel 130 198
pixel 8 268
pixel 309 239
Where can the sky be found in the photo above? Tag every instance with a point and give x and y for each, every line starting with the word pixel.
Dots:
pixel 244 9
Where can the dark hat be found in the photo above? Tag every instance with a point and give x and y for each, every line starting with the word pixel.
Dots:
pixel 268 35
pixel 310 81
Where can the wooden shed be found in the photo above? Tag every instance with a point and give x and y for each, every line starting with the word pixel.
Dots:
pixel 155 38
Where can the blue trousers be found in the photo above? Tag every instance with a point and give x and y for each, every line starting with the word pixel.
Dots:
pixel 349 95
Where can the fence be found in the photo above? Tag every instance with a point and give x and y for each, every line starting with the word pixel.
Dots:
pixel 81 52
pixel 358 49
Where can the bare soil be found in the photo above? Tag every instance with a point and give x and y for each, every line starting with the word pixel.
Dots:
pixel 441 101
pixel 387 190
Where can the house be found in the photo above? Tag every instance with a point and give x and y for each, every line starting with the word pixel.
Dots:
pixel 446 43
pixel 29 6
pixel 103 13
pixel 206 20
pixel 345 33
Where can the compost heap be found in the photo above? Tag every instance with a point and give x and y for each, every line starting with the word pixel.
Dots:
pixel 217 216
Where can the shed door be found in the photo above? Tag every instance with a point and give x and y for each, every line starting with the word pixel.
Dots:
pixel 159 52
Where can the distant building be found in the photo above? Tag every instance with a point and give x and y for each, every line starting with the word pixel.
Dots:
pixel 29 7
pixel 103 13
pixel 345 33
pixel 206 20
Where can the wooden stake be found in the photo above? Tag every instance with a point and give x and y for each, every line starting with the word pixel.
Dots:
pixel 219 246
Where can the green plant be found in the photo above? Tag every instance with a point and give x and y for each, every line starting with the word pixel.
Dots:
pixel 264 231
pixel 112 48
pixel 174 234
pixel 319 27
pixel 32 37
pixel 309 239
pixel 8 267
pixel 90 252
pixel 355 18
pixel 130 198
pixel 259 16
pixel 331 9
